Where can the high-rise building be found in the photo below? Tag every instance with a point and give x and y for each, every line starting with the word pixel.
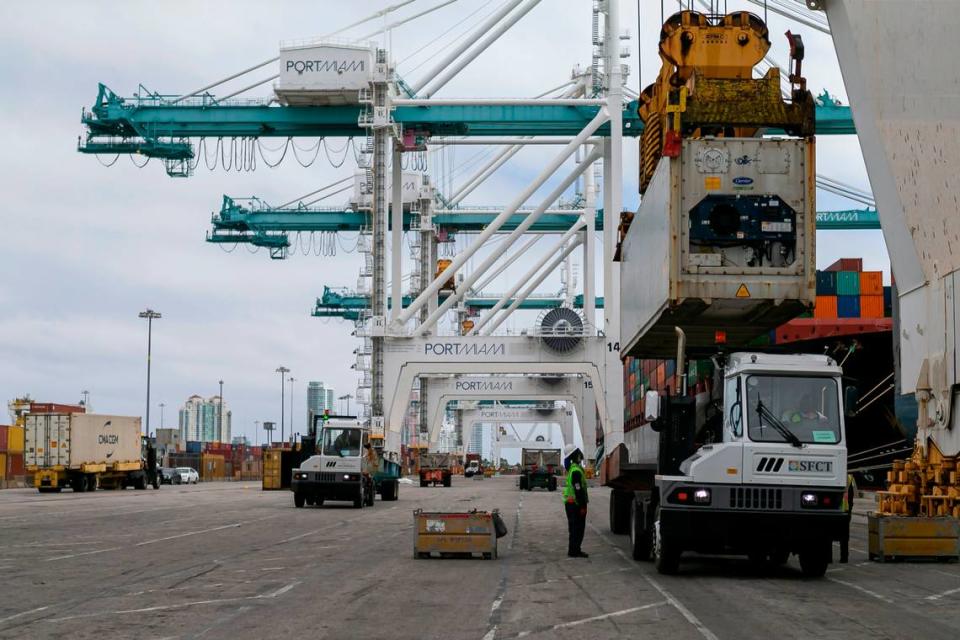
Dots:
pixel 476 439
pixel 200 420
pixel 318 399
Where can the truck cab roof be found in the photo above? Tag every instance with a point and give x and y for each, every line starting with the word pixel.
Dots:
pixel 788 364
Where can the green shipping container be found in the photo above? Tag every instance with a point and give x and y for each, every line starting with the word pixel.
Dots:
pixel 848 283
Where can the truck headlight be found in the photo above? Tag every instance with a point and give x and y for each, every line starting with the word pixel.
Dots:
pixel 701 496
pixel 808 499
pixel 347 476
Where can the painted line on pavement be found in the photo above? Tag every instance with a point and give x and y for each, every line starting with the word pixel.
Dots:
pixel 23 613
pixel 676 604
pixel 943 594
pixel 603 616
pixel 85 553
pixel 189 533
pixel 166 607
pixel 494 618
pixel 872 594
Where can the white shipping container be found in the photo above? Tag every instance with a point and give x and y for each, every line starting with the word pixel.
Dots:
pixel 324 74
pixel 81 438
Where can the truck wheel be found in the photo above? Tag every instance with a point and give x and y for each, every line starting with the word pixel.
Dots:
pixel 298 499
pixel 79 483
pixel 389 489
pixel 639 534
pixel 423 482
pixel 779 557
pixel 447 480
pixel 361 499
pixel 666 557
pixel 814 560
pixel 552 483
pixel 620 511
pixel 523 483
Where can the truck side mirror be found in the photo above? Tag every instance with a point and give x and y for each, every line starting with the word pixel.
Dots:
pixel 851 398
pixel 651 405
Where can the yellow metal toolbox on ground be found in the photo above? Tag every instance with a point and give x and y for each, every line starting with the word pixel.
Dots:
pixel 454 534
pixel 901 537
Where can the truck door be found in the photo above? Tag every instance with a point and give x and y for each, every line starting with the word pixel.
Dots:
pixel 733 425
pixel 60 440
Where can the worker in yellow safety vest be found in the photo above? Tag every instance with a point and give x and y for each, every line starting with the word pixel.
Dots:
pixel 575 500
pixel 847 507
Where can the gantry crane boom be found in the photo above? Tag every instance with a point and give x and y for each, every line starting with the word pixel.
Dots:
pixel 156 125
pixel 250 220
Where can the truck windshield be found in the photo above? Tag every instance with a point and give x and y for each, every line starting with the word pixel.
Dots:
pixel 341 442
pixel 807 407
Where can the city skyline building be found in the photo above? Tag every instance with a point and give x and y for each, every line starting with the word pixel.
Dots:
pixel 319 398
pixel 199 420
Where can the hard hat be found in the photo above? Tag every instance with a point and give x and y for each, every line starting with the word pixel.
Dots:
pixel 569 449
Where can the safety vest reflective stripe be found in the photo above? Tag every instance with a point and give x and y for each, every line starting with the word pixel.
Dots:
pixel 845 506
pixel 569 495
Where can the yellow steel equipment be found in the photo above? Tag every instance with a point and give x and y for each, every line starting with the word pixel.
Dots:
pixel 706 87
pixel 928 484
pixel 897 537
pixel 442 265
pixel 454 534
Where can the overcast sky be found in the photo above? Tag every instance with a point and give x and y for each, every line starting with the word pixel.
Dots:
pixel 85 248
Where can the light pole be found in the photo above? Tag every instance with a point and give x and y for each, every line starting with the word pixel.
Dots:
pixel 86 399
pixel 347 398
pixel 291 380
pixel 282 371
pixel 162 405
pixel 220 414
pixel 256 433
pixel 150 315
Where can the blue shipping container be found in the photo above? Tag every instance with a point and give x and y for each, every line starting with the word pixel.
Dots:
pixel 194 446
pixel 848 306
pixel 848 283
pixel 826 283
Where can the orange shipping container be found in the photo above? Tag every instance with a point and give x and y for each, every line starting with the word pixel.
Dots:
pixel 871 284
pixel 212 467
pixel 826 307
pixel 871 306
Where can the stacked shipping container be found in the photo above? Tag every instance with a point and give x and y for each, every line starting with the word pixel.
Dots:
pixel 640 375
pixel 844 290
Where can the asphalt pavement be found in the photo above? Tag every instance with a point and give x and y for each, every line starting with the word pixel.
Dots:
pixel 227 560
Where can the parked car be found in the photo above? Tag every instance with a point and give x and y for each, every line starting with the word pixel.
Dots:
pixel 188 475
pixel 168 475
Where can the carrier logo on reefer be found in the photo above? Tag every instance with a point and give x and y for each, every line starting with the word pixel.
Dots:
pixel 742 181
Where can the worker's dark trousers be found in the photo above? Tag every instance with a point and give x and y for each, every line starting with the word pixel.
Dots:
pixel 576 525
pixel 845 540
